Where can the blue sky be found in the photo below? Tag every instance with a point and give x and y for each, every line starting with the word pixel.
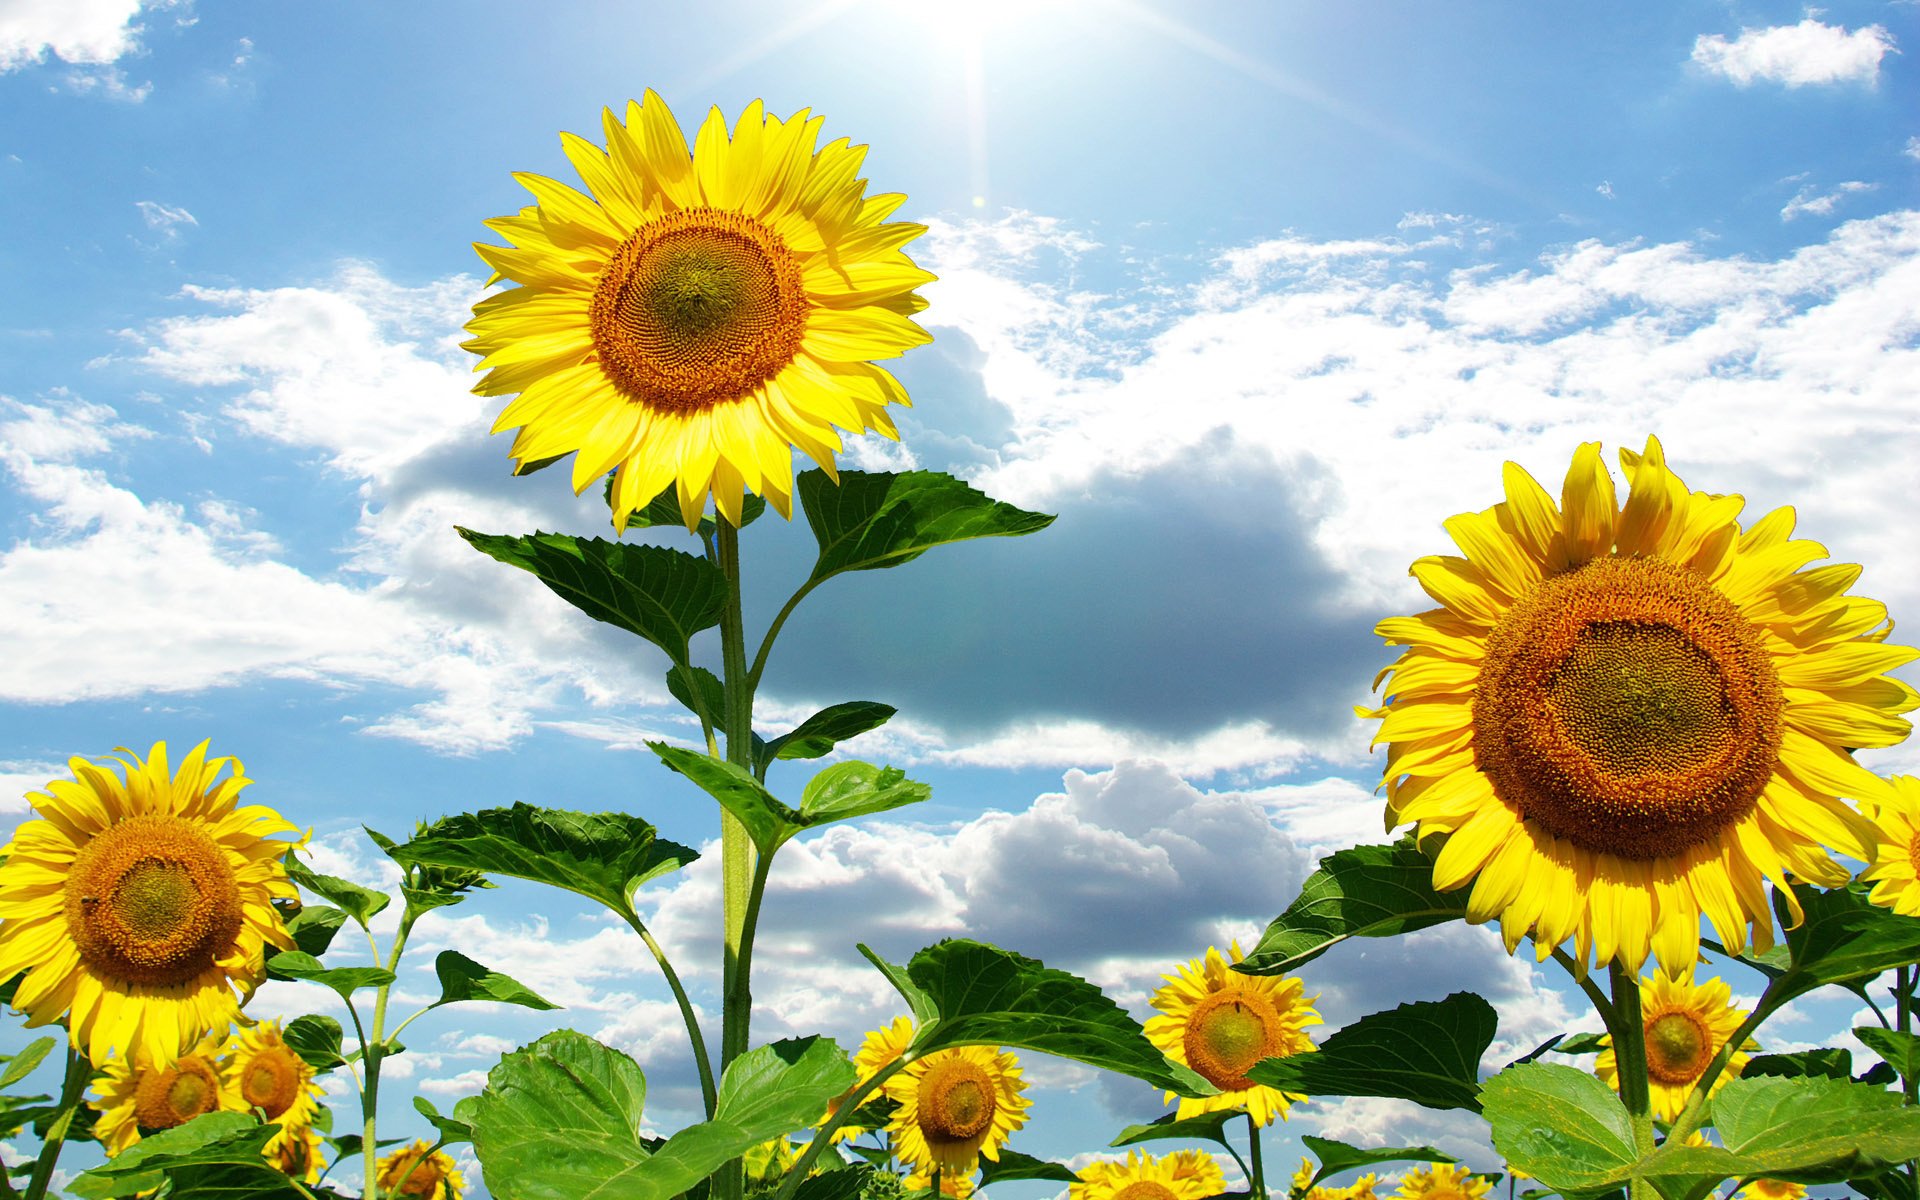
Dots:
pixel 1253 296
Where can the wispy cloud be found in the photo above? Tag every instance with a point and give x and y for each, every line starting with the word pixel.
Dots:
pixel 1796 55
pixel 1810 201
pixel 164 219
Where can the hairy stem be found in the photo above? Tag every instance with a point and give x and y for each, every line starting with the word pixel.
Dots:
pixel 372 1050
pixel 736 853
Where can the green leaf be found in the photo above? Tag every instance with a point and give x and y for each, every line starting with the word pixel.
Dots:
pixel 1900 1049
pixel 1427 1052
pixel 313 928
pixel 1560 1125
pixel 316 1040
pixel 1364 891
pixel 452 1129
pixel 663 511
pixel 986 996
pixel 768 822
pixel 1336 1157
pixel 1583 1043
pixel 857 789
pixel 665 596
pixel 925 1012
pixel 766 1093
pixel 242 1181
pixel 710 696
pixel 1015 1165
pixel 602 856
pixel 461 978
pixel 1812 1130
pixel 1824 1062
pixel 20 1065
pixel 821 732
pixel 836 1183
pixel 424 900
pixel 1845 939
pixel 216 1137
pixel 361 903
pixel 345 980
pixel 1209 1126
pixel 875 519
pixel 1888 1185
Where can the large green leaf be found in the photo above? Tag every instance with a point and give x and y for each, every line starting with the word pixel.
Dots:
pixel 461 978
pixel 1826 1062
pixel 1812 1130
pixel 1015 1165
pixel 1845 939
pixel 216 1137
pixel 1336 1157
pixel 1900 1049
pixel 451 1129
pixel 856 789
pixel 1561 1125
pixel 986 996
pixel 316 1039
pixel 361 903
pixel 875 519
pixel 1427 1052
pixel 1210 1126
pixel 345 980
pixel 699 690
pixel 603 856
pixel 665 596
pixel 313 928
pixel 767 1092
pixel 1364 891
pixel 821 732
pixel 839 792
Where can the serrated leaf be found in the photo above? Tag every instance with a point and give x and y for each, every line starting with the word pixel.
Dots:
pixel 216 1137
pixel 1015 1165
pixel 1363 891
pixel 316 1039
pixel 424 899
pixel 360 903
pixel 1812 1130
pixel 602 856
pixel 857 789
pixel 706 692
pixel 875 519
pixel 452 1129
pixel 1335 1157
pixel 1427 1052
pixel 767 820
pixel 313 928
pixel 821 732
pixel 1561 1125
pixel 20 1065
pixel 1208 1126
pixel 1900 1050
pixel 986 996
pixel 665 596
pixel 1845 939
pixel 461 978
pixel 345 980
pixel 1824 1062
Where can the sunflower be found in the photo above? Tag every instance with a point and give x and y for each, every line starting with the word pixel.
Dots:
pixel 263 1072
pixel 136 908
pixel 1442 1181
pixel 1220 1022
pixel 300 1153
pixel 1625 716
pixel 419 1172
pixel 1182 1175
pixel 1685 1027
pixel 142 1096
pixel 1772 1189
pixel 1895 872
pixel 957 1186
pixel 956 1105
pixel 695 316
pixel 877 1051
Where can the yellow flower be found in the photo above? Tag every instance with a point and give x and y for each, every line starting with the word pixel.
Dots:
pixel 299 1154
pixel 262 1072
pixel 413 1173
pixel 137 907
pixel 1303 1178
pixel 1220 1023
pixel 877 1051
pixel 1182 1175
pixel 1772 1189
pixel 1895 872
pixel 957 1186
pixel 1685 1027
pixel 696 316
pixel 956 1105
pixel 1627 715
pixel 148 1095
pixel 1442 1181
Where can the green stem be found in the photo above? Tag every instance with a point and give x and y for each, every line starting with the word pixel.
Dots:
pixel 736 853
pixel 79 1070
pixel 708 1096
pixel 773 631
pixel 824 1135
pixel 1630 1056
pixel 1584 978
pixel 372 1051
pixel 756 892
pixel 1909 1085
pixel 1253 1152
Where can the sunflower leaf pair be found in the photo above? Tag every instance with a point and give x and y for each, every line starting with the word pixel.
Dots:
pixel 840 792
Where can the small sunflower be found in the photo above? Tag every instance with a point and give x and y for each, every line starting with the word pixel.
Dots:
pixel 957 1186
pixel 1772 1189
pixel 1220 1022
pixel 137 907
pixel 142 1096
pixel 1685 1027
pixel 1182 1175
pixel 301 1153
pixel 415 1174
pixel 1442 1181
pixel 1625 715
pixel 1895 873
pixel 956 1105
pixel 263 1072
pixel 695 316
pixel 877 1050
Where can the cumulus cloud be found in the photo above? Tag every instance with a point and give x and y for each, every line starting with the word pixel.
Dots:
pixel 74 31
pixel 1796 55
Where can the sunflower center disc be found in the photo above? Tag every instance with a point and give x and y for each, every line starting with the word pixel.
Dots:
pixel 1677 1048
pixel 151 900
pixel 175 1095
pixel 956 1102
pixel 271 1081
pixel 697 307
pixel 1145 1189
pixel 1226 1034
pixel 1628 707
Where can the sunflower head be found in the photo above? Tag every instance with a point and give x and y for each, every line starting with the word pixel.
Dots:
pixel 695 316
pixel 1220 1023
pixel 1182 1175
pixel 1772 1189
pixel 142 1096
pixel 878 1049
pixel 956 1105
pixel 262 1073
pixel 1895 870
pixel 300 1155
pixel 1442 1181
pixel 419 1172
pixel 138 900
pixel 1628 714
pixel 1685 1025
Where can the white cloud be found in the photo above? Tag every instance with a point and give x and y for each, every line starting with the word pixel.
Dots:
pixel 1809 201
pixel 1605 189
pixel 1796 55
pixel 1913 148
pixel 20 776
pixel 164 219
pixel 75 31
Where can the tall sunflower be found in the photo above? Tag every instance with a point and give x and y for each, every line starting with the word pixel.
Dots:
pixel 1685 1025
pixel 1895 871
pixel 1220 1022
pixel 139 1096
pixel 263 1072
pixel 1626 715
pixel 694 316
pixel 1182 1175
pixel 137 906
pixel 956 1105
pixel 419 1172
pixel 1442 1181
